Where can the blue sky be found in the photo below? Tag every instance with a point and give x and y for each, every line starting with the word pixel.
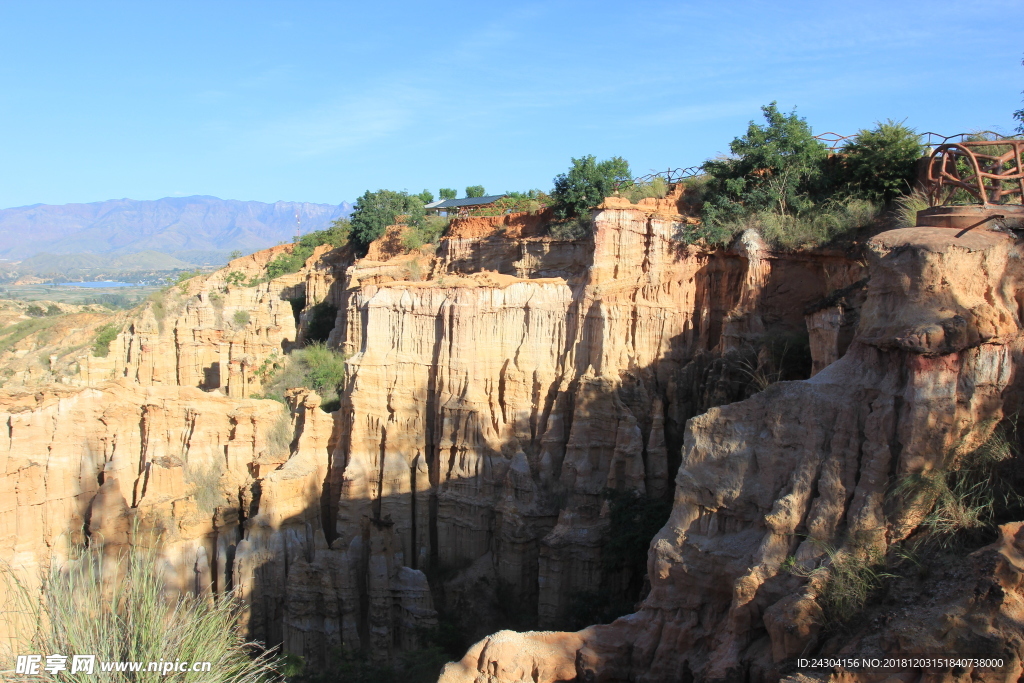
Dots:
pixel 319 101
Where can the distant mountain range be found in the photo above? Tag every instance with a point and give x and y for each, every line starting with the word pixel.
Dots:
pixel 194 230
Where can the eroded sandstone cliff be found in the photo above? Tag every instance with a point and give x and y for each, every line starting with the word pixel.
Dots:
pixel 496 389
pixel 806 467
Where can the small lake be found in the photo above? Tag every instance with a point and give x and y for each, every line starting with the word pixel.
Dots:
pixel 97 284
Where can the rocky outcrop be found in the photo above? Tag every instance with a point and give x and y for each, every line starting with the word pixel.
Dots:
pixel 486 414
pixel 804 466
pixel 228 490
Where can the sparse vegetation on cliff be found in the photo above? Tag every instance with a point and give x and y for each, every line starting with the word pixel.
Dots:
pixel 315 367
pixel 655 188
pixel 846 581
pixel 783 182
pixel 106 335
pixel 337 235
pixel 130 619
pixel 965 502
pixel 11 335
pixel 35 311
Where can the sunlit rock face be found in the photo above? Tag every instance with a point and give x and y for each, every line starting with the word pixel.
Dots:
pixel 805 466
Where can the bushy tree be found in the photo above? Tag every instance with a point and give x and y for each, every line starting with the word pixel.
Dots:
pixel 777 167
pixel 426 196
pixel 375 211
pixel 337 235
pixel 447 193
pixel 880 163
pixel 475 191
pixel 586 184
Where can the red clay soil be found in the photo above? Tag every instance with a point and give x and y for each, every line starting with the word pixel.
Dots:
pixel 513 225
pixel 389 245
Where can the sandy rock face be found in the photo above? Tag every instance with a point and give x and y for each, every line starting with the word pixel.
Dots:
pixel 805 464
pixel 174 467
pixel 219 332
pixel 488 418
pixel 493 393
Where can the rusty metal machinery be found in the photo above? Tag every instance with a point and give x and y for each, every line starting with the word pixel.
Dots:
pixel 974 184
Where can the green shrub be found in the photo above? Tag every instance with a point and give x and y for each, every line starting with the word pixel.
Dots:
pixel 241 318
pixel 820 224
pixel 158 304
pixel 286 263
pixel 446 193
pixel 185 276
pixel 204 485
pixel 423 230
pixel 777 168
pixel 530 201
pixel 101 345
pixel 315 367
pixel 586 184
pixel 83 612
pixel 235 278
pixel 35 311
pixel 325 368
pixel 282 434
pixel 337 235
pixel 782 182
pixel 966 502
pixel 375 211
pixel 880 164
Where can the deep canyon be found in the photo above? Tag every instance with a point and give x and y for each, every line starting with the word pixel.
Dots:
pixel 498 388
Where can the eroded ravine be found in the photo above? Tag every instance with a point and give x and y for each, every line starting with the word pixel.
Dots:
pixel 495 390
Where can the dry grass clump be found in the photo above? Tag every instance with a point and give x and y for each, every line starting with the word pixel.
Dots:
pixel 907 207
pixel 84 611
pixel 961 502
pixel 204 484
pixel 657 188
pixel 846 580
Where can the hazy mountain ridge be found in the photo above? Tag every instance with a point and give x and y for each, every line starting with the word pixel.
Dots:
pixel 172 224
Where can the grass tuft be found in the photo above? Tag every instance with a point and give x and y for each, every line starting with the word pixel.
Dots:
pixel 114 604
pixel 907 207
pixel 849 579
